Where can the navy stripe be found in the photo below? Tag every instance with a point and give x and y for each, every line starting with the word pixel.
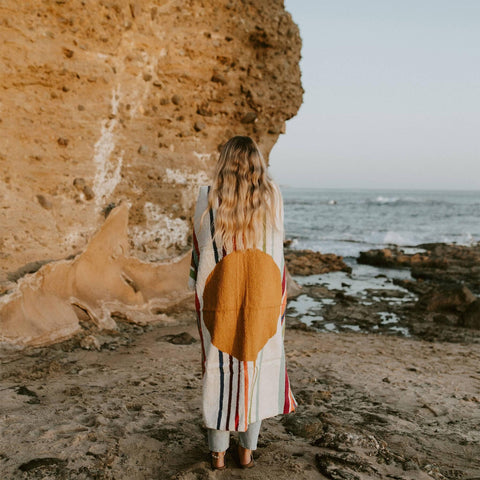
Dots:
pixel 212 231
pixel 220 354
pixel 230 391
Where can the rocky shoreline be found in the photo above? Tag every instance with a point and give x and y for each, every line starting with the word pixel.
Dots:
pixel 430 291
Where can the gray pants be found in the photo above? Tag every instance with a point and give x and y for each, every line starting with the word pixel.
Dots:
pixel 219 440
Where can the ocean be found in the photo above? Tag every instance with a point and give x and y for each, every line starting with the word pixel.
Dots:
pixel 346 221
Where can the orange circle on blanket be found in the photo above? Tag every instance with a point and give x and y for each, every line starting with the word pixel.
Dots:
pixel 242 302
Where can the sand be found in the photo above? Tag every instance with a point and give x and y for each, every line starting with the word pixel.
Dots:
pixel 370 406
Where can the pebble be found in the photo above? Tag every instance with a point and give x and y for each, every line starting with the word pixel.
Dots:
pixel 90 342
pixel 62 141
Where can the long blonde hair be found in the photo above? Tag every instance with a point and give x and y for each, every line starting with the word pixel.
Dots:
pixel 243 194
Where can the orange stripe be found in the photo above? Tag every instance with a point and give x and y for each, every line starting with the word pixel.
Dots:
pixel 284 303
pixel 245 376
pixel 292 403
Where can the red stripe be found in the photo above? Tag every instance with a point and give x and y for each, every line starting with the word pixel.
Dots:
pixel 245 375
pixel 237 417
pixel 286 406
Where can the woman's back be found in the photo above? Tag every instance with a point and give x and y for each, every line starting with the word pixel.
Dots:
pixel 240 298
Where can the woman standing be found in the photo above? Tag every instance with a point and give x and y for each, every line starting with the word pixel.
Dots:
pixel 238 274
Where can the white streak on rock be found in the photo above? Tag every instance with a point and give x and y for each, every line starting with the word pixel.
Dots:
pixel 107 174
pixel 161 229
pixel 182 178
pixel 203 157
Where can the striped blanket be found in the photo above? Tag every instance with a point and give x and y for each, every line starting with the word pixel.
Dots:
pixel 240 299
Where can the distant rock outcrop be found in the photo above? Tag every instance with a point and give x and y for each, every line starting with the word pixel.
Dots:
pixel 111 102
pixel 308 262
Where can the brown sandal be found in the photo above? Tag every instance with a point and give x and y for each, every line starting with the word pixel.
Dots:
pixel 216 456
pixel 250 464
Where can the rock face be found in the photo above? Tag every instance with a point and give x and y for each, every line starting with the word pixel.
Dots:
pixel 107 102
pixel 98 285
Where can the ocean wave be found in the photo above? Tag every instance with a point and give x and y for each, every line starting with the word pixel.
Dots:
pixel 398 201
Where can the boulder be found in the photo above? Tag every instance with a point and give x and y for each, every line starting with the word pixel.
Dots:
pixel 471 316
pixel 308 262
pixel 448 298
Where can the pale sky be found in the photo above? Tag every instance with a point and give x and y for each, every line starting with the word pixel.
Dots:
pixel 392 96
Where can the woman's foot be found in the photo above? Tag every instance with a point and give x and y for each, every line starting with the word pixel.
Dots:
pixel 245 457
pixel 217 460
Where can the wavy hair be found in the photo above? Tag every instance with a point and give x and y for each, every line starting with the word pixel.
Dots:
pixel 243 194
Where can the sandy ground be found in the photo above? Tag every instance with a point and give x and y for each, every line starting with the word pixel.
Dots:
pixel 370 406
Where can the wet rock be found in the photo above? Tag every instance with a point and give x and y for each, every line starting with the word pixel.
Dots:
pixel 437 263
pixel 41 462
pixel 449 298
pixel 44 202
pixel 303 425
pixel 442 319
pixel 23 390
pixel 183 338
pixel 313 397
pixel 342 466
pixel 471 316
pixel 308 262
pixel 390 258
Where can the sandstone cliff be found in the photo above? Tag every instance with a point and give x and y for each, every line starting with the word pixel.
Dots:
pixel 108 103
